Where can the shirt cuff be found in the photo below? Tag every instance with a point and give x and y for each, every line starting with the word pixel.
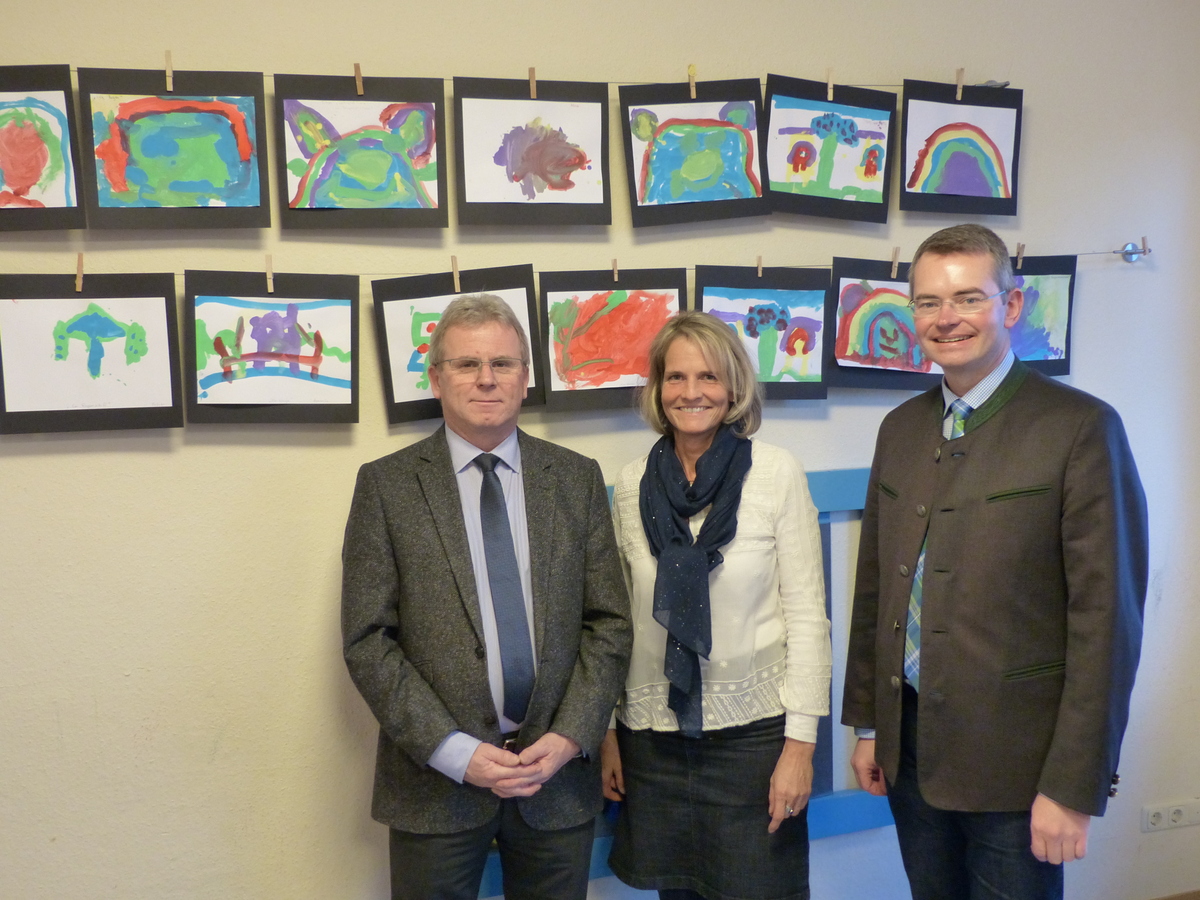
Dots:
pixel 454 754
pixel 867 734
pixel 801 727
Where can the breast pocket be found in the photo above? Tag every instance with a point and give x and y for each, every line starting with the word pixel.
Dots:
pixel 1033 490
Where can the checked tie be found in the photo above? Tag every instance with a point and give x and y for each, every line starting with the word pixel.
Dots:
pixel 508 600
pixel 959 410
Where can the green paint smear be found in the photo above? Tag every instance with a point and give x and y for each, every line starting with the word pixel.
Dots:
pixel 197 161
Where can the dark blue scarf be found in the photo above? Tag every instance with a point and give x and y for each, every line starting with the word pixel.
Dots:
pixel 681 585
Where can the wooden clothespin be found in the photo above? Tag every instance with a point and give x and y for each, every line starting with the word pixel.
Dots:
pixel 1020 256
pixel 692 80
pixel 959 76
pixel 829 84
pixel 270 275
pixel 79 273
pixel 895 261
pixel 616 276
pixel 170 74
pixel 454 270
pixel 760 267
pixel 532 83
pixel 358 88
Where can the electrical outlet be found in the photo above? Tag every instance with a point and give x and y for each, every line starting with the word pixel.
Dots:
pixel 1170 815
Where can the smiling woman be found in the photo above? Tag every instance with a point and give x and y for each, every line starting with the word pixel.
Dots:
pixel 712 753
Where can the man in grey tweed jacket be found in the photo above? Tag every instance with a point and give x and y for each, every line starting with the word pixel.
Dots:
pixel 419 632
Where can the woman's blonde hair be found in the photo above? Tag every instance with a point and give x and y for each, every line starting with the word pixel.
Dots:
pixel 723 350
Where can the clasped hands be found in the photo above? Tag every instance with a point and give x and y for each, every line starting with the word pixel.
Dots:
pixel 508 774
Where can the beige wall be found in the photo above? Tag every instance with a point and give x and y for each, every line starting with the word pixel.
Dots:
pixel 175 718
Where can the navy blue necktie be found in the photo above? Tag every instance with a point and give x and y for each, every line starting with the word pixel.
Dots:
pixel 508 600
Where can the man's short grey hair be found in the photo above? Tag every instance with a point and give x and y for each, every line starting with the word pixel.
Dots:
pixel 972 240
pixel 471 311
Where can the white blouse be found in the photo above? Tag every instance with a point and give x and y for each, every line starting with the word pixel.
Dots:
pixel 770 636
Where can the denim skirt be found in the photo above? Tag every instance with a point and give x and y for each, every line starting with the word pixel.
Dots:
pixel 695 815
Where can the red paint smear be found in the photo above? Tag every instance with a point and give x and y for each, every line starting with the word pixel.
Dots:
pixel 802 157
pixel 798 336
pixel 607 346
pixel 871 169
pixel 114 157
pixel 8 198
pixel 114 154
pixel 313 359
pixel 23 156
pixel 423 348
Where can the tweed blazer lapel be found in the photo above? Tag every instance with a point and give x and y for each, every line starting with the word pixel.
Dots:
pixel 440 489
pixel 540 483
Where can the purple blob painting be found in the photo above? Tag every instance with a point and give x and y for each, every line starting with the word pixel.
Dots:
pixel 539 157
pixel 532 151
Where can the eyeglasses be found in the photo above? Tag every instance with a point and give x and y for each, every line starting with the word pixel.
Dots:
pixel 504 368
pixel 965 306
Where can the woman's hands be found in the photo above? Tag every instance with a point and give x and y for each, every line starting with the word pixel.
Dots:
pixel 611 776
pixel 791 782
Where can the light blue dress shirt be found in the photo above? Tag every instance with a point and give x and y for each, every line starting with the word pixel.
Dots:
pixel 454 753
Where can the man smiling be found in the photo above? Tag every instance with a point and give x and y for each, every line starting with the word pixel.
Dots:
pixel 998 601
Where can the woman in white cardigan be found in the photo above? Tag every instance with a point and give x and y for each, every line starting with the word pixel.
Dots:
pixel 714 736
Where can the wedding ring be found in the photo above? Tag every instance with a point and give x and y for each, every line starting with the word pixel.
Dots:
pixel 790 811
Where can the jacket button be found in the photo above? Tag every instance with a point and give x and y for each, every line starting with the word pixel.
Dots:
pixel 1112 792
pixel 921 510
pixel 896 626
pixel 937 454
pixel 904 571
pixel 479 653
pixel 1116 779
pixel 895 682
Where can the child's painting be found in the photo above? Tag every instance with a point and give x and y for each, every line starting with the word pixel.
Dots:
pixel 370 161
pixel 960 156
pixel 525 161
pixel 779 316
pixel 692 160
pixel 874 337
pixel 260 356
pixel 407 310
pixel 598 332
pixel 1042 336
pixel 193 157
pixel 101 358
pixel 829 158
pixel 39 153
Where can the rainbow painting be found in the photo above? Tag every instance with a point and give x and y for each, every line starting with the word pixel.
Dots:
pixel 357 154
pixel 695 152
pixel 175 151
pixel 960 156
pixel 875 327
